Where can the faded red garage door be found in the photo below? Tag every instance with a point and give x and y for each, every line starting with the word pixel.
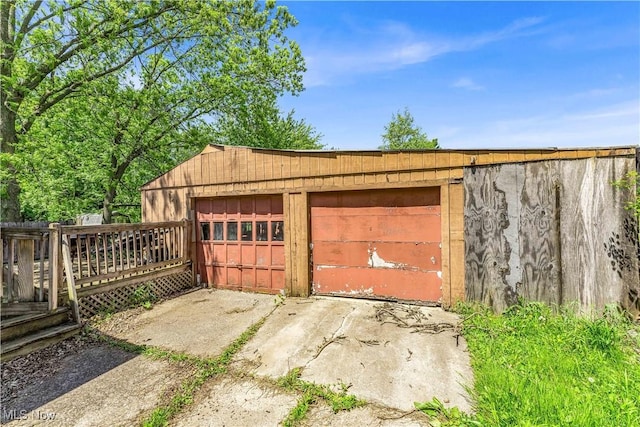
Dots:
pixel 240 243
pixel 380 244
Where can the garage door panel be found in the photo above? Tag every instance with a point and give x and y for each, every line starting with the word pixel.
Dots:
pixel 277 279
pixel 422 256
pixel 395 197
pixel 219 253
pixel 234 276
pixel 263 255
pixel 374 210
pixel 379 243
pixel 358 282
pixel 263 278
pixel 248 255
pixel 233 254
pixel 425 256
pixel 219 275
pixel 277 256
pixel 364 228
pixel 248 277
pixel 341 253
pixel 237 247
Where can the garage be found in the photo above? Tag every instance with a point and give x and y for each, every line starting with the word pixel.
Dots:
pixel 378 244
pixel 240 243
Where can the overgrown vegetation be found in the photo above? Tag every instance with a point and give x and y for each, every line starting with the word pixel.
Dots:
pixel 536 367
pixel 631 181
pixel 311 393
pixel 143 296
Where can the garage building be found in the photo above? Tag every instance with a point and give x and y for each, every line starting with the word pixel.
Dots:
pixel 433 226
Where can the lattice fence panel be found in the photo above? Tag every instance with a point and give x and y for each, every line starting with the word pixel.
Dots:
pixel 121 298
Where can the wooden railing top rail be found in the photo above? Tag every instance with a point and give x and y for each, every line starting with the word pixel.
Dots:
pixel 22 233
pixel 115 228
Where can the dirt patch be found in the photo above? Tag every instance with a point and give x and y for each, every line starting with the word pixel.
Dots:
pixel 22 372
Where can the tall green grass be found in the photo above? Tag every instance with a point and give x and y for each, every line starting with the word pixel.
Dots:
pixel 534 367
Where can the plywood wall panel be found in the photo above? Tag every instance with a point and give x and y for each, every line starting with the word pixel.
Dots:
pixel 553 231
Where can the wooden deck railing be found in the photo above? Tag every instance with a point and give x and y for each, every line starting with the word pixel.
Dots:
pixel 92 259
pixel 26 278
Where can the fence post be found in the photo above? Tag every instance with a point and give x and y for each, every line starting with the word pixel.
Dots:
pixel 184 245
pixel 55 265
pixel 26 291
pixel 71 282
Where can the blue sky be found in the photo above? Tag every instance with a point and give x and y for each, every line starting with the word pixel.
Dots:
pixel 473 74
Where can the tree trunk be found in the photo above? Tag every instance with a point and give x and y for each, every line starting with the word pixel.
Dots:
pixel 9 188
pixel 107 204
pixel 10 194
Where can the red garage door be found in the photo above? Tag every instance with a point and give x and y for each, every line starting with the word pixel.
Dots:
pixel 380 244
pixel 240 243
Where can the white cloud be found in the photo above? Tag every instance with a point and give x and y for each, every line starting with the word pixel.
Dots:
pixel 615 124
pixel 466 83
pixel 393 46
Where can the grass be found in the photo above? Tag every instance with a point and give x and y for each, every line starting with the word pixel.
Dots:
pixel 311 393
pixel 207 368
pixel 536 367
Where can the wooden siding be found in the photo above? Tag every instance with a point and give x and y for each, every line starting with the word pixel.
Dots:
pixel 550 231
pixel 233 165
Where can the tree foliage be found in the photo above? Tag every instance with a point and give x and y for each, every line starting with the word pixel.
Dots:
pixel 97 92
pixel 264 126
pixel 403 134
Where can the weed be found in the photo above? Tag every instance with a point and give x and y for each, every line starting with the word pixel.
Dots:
pixel 441 416
pixel 279 299
pixel 311 392
pixel 143 296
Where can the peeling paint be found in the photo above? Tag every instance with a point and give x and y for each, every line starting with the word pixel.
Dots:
pixel 375 261
pixel 439 273
pixel 325 267
pixel 433 260
pixel 355 292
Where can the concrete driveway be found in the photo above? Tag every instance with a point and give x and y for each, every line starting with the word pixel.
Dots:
pixel 390 355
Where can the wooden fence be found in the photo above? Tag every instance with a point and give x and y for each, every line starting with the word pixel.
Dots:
pixel 89 259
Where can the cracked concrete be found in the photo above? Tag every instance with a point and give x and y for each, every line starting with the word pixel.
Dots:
pixel 395 369
pixel 335 341
pixel 201 323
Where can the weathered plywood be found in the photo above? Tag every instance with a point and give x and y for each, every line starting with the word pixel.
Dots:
pixel 599 237
pixel 538 229
pixel 487 251
pixel 553 231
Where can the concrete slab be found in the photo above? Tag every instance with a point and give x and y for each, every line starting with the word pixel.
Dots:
pixel 121 396
pixel 201 323
pixel 340 341
pixel 230 402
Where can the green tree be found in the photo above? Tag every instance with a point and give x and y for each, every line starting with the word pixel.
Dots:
pixel 264 126
pixel 403 134
pixel 165 55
